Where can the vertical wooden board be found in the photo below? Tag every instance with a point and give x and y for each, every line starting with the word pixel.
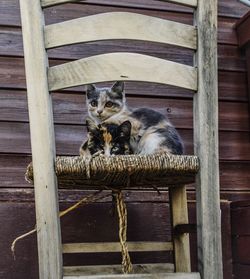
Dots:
pixel 18 218
pixel 240 220
pixel 42 141
pixel 241 271
pixel 241 249
pixel 179 215
pixel 248 72
pixel 206 143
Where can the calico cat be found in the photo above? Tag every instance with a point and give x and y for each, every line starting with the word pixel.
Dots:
pixel 107 139
pixel 102 103
pixel 151 131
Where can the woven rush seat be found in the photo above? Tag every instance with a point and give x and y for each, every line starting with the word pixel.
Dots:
pixel 124 171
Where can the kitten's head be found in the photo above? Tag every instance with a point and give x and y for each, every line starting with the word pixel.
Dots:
pixel 109 139
pixel 103 103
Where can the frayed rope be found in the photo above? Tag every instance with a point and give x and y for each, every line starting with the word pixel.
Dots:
pixel 84 201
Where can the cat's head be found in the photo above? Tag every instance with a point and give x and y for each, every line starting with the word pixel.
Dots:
pixel 109 139
pixel 103 103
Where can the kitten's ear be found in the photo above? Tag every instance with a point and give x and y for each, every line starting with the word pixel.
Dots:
pixel 118 87
pixel 125 129
pixel 91 126
pixel 90 89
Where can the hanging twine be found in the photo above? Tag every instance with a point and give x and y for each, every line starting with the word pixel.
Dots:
pixel 84 201
pixel 122 214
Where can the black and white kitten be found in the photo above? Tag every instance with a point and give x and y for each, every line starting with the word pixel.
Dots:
pixel 151 131
pixel 107 139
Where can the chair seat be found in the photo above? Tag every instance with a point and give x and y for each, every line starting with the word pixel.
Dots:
pixel 124 171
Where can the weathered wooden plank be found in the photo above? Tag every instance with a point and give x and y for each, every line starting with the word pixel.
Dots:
pixel 9 10
pixel 117 269
pixel 11 37
pixel 91 223
pixel 120 25
pixel 230 57
pixel 240 217
pixel 232 85
pixel 240 245
pixel 14 138
pixel 189 3
pixel 26 194
pixel 206 145
pixel 179 215
pixel 100 247
pixel 42 141
pixel 121 66
pixel 241 270
pixel 48 3
pixel 71 109
pixel 141 276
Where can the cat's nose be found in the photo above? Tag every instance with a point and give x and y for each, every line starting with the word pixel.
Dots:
pixel 99 111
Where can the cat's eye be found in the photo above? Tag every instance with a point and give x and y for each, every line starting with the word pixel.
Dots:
pixel 93 103
pixel 109 104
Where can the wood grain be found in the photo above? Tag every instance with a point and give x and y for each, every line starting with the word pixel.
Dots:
pixel 14 138
pixel 116 269
pixel 42 141
pixel 71 109
pixel 101 247
pixel 90 223
pixel 48 3
pixel 179 216
pixel 9 10
pixel 11 41
pixel 232 85
pixel 120 25
pixel 230 57
pixel 241 270
pixel 206 145
pixel 121 66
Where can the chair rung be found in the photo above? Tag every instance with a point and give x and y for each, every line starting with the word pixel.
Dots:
pixel 117 269
pixel 99 247
pixel 140 276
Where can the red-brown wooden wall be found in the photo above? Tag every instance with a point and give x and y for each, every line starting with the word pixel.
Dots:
pixel 148 213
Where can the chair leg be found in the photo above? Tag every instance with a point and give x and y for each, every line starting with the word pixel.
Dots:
pixel 179 215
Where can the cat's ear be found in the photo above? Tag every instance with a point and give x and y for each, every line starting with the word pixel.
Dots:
pixel 90 89
pixel 125 129
pixel 118 87
pixel 91 126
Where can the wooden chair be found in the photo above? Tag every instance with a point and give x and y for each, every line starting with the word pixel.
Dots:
pixel 201 78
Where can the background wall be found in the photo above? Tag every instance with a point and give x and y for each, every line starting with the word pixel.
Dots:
pixel 94 223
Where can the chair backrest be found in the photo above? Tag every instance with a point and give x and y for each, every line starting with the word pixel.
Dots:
pixel 201 78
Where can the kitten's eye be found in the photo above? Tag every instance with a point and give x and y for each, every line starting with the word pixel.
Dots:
pixel 93 103
pixel 109 104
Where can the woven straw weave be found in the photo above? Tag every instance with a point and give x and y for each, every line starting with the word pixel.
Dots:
pixel 133 171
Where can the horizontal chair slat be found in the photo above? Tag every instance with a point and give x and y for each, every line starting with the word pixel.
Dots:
pixel 117 269
pixel 121 66
pixel 140 276
pixel 48 3
pixel 188 3
pixel 120 25
pixel 96 247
